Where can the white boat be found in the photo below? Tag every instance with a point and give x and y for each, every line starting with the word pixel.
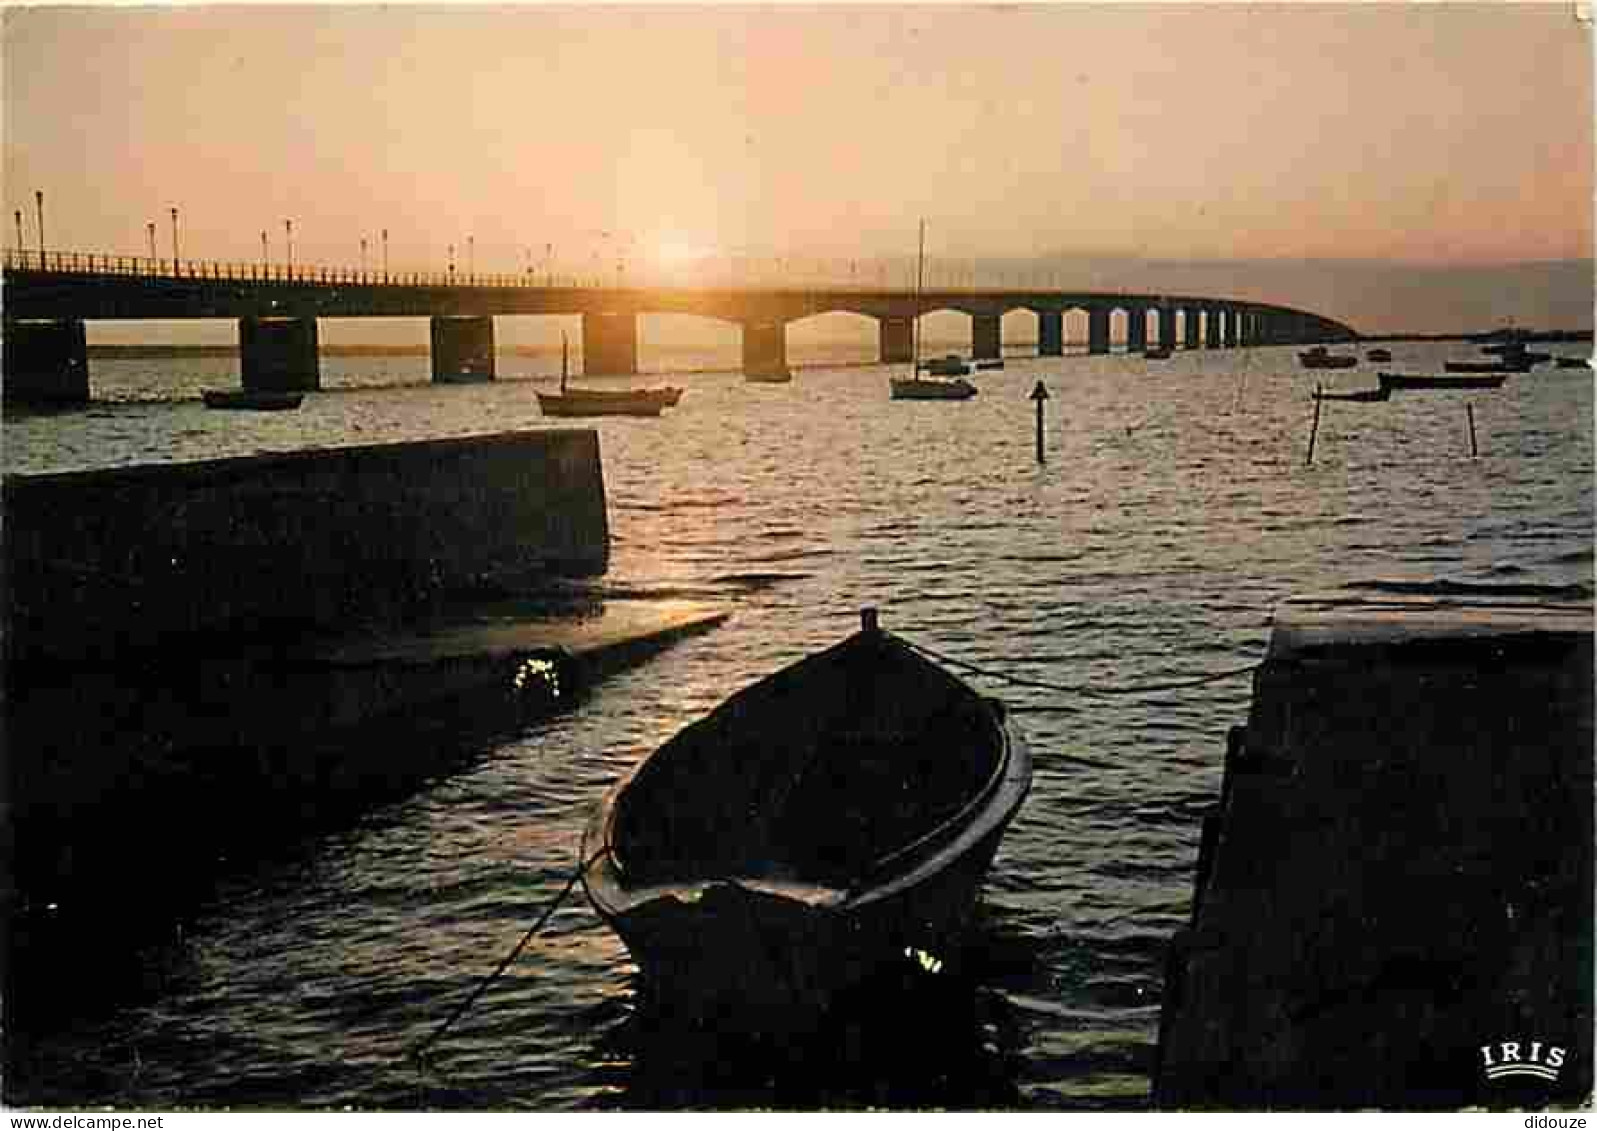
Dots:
pixel 930 388
pixel 828 823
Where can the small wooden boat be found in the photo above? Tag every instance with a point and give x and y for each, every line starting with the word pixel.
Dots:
pixel 252 400
pixel 1441 381
pixel 995 363
pixel 1379 355
pixel 1574 363
pixel 827 823
pixel 929 389
pixel 1363 396
pixel 1158 353
pixel 1478 367
pixel 1318 357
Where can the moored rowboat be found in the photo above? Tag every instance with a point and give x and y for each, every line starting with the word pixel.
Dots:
pixel 829 822
pixel 254 400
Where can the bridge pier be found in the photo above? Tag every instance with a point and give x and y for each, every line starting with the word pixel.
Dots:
pixel 1167 328
pixel 609 344
pixel 986 339
pixel 46 362
pixel 462 348
pixel 765 348
pixel 279 355
pixel 1097 329
pixel 1211 327
pixel 1228 324
pixel 1136 329
pixel 1192 316
pixel 895 340
pixel 1050 333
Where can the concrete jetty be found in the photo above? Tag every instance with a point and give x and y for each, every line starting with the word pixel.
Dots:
pixel 199 648
pixel 1394 896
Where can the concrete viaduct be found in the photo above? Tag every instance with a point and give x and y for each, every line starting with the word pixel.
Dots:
pixel 47 299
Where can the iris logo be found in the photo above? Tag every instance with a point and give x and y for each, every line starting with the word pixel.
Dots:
pixel 1522 1058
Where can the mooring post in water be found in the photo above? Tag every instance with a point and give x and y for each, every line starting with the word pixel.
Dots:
pixel 1469 410
pixel 1039 395
pixel 1314 429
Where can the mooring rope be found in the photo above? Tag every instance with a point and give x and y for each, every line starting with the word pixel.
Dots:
pixel 582 866
pixel 1081 689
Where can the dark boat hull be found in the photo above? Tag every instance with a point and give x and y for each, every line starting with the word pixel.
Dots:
pixel 760 941
pixel 250 401
pixel 1360 396
pixel 1442 381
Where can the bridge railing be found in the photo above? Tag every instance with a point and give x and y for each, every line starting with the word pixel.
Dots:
pixel 730 276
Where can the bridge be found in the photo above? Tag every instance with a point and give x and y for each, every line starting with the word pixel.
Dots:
pixel 48 296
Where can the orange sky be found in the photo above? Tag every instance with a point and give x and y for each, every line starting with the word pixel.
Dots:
pixel 1432 133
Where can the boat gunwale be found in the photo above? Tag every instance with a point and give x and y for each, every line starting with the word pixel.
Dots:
pixel 989 808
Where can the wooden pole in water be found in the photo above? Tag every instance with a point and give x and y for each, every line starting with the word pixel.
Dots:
pixel 1314 429
pixel 1039 395
pixel 1469 410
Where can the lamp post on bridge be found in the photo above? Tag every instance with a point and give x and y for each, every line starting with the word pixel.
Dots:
pixel 451 263
pixel 265 262
pixel 385 255
pixel 38 199
pixel 288 253
pixel 471 258
pixel 363 257
pixel 21 248
pixel 149 230
pixel 174 241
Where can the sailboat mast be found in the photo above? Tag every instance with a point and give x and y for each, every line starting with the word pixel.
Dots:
pixel 920 276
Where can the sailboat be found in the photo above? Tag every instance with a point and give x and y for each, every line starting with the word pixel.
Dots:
pixel 603 402
pixel 928 388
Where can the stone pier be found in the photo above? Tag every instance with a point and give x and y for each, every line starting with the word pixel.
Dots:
pixel 1394 891
pixel 896 340
pixel 765 347
pixel 1136 329
pixel 462 349
pixel 986 336
pixel 609 344
pixel 1193 317
pixel 1167 328
pixel 279 354
pixel 1050 333
pixel 46 362
pixel 1098 329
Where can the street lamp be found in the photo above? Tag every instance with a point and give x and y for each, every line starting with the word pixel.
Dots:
pixel 174 241
pixel 451 263
pixel 288 231
pixel 21 250
pixel 38 199
pixel 385 255
pixel 149 230
pixel 265 263
pixel 363 257
pixel 471 258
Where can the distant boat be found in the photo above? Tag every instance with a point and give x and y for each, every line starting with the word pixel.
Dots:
pixel 1379 355
pixel 252 400
pixel 1363 396
pixel 1158 353
pixel 1321 358
pixel 994 364
pixel 1478 367
pixel 1574 363
pixel 603 402
pixel 1392 381
pixel 828 824
pixel 930 388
